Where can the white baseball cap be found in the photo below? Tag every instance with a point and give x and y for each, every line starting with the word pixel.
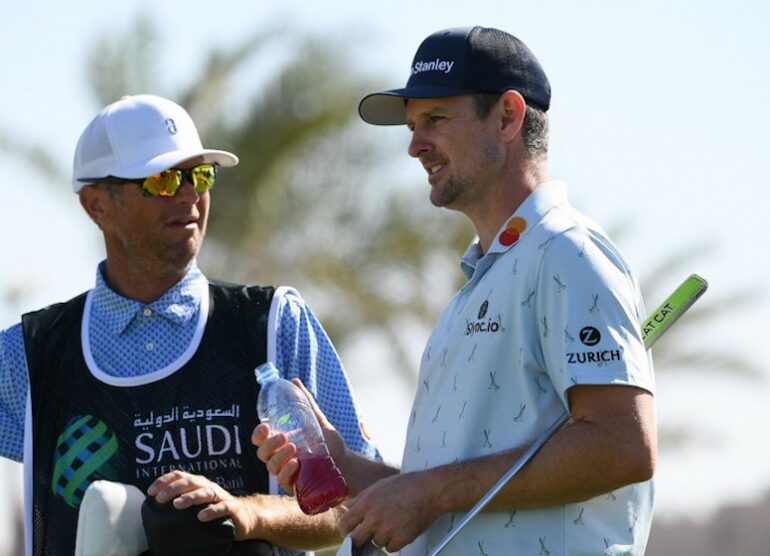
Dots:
pixel 136 137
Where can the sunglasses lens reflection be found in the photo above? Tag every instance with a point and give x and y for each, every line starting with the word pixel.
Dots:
pixel 164 184
pixel 203 177
pixel 167 183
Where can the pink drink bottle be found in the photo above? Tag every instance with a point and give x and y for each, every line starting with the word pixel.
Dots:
pixel 318 485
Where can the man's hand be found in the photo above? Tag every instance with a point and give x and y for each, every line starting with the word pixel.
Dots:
pixel 184 490
pixel 393 511
pixel 280 455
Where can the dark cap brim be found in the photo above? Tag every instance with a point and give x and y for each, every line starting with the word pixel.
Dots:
pixel 389 107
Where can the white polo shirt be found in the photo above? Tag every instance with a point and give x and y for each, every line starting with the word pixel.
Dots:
pixel 551 305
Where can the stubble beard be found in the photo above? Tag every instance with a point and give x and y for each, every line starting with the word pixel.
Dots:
pixel 457 190
pixel 447 194
pixel 178 257
pixel 170 259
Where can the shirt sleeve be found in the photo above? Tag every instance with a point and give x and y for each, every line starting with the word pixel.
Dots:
pixel 589 314
pixel 304 350
pixel 14 383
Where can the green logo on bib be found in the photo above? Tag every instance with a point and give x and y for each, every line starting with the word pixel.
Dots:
pixel 83 451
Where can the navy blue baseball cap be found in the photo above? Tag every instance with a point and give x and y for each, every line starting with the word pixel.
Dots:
pixel 462 61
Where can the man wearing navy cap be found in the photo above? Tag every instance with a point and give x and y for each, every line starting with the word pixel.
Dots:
pixel 547 321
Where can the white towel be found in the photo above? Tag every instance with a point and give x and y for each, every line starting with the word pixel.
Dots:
pixel 110 521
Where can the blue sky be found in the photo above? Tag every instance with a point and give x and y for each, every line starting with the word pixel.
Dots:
pixel 659 124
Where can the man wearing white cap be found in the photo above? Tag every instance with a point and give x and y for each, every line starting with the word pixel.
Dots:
pixel 548 321
pixel 147 379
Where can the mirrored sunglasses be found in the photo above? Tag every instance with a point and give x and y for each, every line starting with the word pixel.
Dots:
pixel 168 182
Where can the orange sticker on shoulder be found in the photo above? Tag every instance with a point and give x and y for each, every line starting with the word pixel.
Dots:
pixel 512 232
pixel 364 431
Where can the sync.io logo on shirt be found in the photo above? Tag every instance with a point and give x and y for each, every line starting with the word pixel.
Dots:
pixel 484 323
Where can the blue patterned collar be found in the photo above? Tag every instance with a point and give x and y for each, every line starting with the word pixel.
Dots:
pixel 178 305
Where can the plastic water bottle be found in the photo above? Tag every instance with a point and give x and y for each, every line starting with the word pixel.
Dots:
pixel 318 485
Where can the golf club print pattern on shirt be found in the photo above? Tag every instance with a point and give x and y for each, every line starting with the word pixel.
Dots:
pixel 551 305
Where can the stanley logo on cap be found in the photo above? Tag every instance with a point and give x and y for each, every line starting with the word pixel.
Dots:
pixel 444 66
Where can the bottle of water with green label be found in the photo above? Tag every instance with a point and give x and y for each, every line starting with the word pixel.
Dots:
pixel 318 485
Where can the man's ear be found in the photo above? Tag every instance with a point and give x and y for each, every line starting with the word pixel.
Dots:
pixel 512 108
pixel 93 200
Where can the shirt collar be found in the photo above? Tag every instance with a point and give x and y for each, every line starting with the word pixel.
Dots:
pixel 178 305
pixel 542 199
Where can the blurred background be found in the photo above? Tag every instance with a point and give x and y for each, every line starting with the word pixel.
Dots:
pixel 659 123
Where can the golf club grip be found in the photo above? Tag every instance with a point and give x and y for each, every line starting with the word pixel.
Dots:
pixel 653 327
pixel 668 312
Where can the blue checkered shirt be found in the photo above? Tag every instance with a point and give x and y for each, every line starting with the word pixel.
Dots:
pixel 130 338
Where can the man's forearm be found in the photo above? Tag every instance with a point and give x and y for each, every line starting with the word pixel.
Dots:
pixel 279 521
pixel 584 459
pixel 360 471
